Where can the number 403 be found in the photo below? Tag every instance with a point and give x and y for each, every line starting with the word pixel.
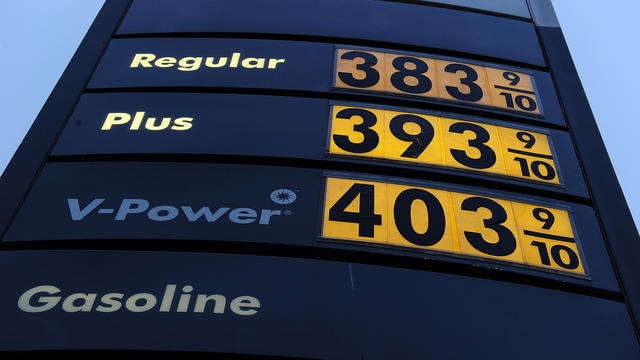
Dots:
pixel 496 221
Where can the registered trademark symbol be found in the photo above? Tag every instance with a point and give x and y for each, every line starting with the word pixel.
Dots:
pixel 288 212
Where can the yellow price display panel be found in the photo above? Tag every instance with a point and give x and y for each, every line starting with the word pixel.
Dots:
pixel 430 140
pixel 419 218
pixel 436 78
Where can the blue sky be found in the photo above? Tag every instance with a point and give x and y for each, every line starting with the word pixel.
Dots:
pixel 38 38
pixel 602 38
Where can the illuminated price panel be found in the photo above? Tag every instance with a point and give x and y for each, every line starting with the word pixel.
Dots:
pixel 189 123
pixel 426 139
pixel 436 78
pixel 421 218
pixel 155 202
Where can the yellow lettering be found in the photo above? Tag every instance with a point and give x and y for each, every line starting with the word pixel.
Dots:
pixel 179 124
pixel 189 63
pixel 193 63
pixel 115 119
pixel 274 62
pixel 142 59
pixel 221 62
pixel 253 63
pixel 234 60
pixel 165 62
pixel 183 123
pixel 151 124
pixel 137 120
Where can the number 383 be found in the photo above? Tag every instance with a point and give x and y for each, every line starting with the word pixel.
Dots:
pixel 419 218
pixel 436 78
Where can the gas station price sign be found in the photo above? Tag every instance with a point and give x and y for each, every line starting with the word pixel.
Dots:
pixel 425 139
pixel 435 78
pixel 419 218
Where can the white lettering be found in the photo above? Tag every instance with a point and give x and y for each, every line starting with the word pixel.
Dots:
pixel 24 302
pixel 243 215
pixel 218 308
pixel 188 211
pixel 149 302
pixel 87 302
pixel 244 301
pixel 111 302
pixel 167 298
pixel 171 213
pixel 136 303
pixel 183 303
pixel 126 207
pixel 79 214
pixel 265 215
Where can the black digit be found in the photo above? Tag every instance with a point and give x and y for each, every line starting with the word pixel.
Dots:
pixel 487 156
pixel 506 243
pixel 520 101
pixel 508 98
pixel 371 138
pixel 535 168
pixel 366 218
pixel 526 138
pixel 398 78
pixel 573 263
pixel 530 106
pixel 511 76
pixel 371 75
pixel 475 91
pixel 435 217
pixel 420 141
pixel 524 166
pixel 542 250
pixel 548 219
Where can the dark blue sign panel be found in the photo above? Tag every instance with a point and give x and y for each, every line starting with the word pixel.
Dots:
pixel 176 301
pixel 470 317
pixel 285 127
pixel 292 307
pixel 199 64
pixel 152 203
pixel 175 201
pixel 360 20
